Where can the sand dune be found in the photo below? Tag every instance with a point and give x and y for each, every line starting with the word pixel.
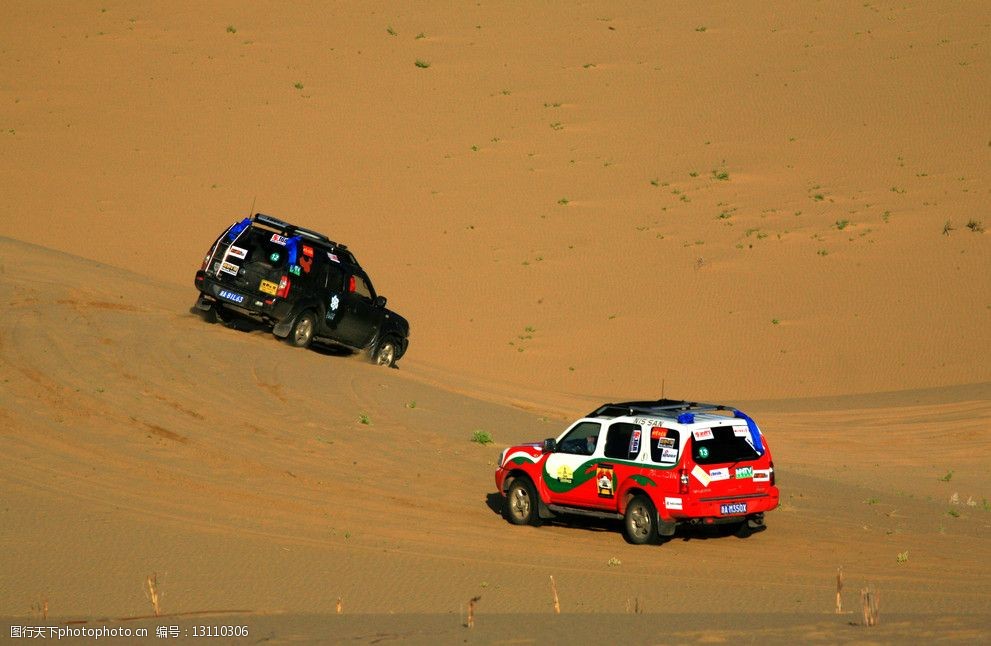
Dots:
pixel 776 206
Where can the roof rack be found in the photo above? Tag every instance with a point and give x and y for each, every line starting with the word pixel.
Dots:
pixel 293 229
pixel 659 407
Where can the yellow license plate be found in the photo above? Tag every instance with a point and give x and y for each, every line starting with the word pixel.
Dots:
pixel 268 287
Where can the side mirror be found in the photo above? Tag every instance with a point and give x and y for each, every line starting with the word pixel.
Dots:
pixel 380 301
pixel 550 445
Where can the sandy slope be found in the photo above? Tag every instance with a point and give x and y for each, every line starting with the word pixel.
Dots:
pixel 752 202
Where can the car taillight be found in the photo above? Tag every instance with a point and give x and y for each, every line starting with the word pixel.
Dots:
pixel 284 286
pixel 682 481
pixel 772 473
pixel 206 259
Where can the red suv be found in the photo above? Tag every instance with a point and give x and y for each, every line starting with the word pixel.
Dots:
pixel 653 464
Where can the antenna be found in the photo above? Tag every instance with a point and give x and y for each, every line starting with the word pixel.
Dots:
pixel 662 388
pixel 252 211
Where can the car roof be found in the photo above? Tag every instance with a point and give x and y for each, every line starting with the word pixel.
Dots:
pixel 673 410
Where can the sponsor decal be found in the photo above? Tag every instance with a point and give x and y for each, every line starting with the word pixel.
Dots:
pixel 733 508
pixel 656 432
pixel 604 482
pixel 274 257
pixel 719 474
pixel 332 257
pixel 306 263
pixel 704 434
pixel 703 452
pixel 335 302
pixel 237 252
pixel 268 287
pixel 741 432
pixel 672 503
pixel 762 475
pixel 663 442
pixel 229 268
pixel 669 456
pixel 281 240
pixel 308 251
pixel 565 474
pixel 294 270
pixel 701 475
pixel 744 472
pixel 635 442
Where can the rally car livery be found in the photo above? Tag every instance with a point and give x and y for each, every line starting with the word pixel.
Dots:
pixel 302 285
pixel 653 464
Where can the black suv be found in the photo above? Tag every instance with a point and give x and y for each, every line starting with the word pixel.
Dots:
pixel 302 285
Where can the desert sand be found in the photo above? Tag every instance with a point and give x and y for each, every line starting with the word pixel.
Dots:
pixel 781 206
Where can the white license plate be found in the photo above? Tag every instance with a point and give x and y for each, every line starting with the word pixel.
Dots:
pixel 734 508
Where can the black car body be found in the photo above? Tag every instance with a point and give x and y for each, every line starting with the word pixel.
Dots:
pixel 302 285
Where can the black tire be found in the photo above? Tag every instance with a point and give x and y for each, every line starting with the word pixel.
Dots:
pixel 210 315
pixel 640 521
pixel 386 352
pixel 301 333
pixel 521 503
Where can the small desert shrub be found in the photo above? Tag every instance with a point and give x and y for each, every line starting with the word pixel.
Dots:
pixel 976 226
pixel 481 437
pixel 422 64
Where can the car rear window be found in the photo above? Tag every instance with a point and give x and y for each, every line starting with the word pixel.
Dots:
pixel 722 444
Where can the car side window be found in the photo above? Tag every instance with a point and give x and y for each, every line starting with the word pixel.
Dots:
pixel 664 445
pixel 623 441
pixel 581 440
pixel 361 288
pixel 335 278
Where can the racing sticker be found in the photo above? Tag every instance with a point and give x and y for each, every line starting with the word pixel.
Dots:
pixel 669 456
pixel 335 302
pixel 307 251
pixel 229 268
pixel 741 432
pixel 635 442
pixel 268 287
pixel 294 270
pixel 604 481
pixel 744 472
pixel 281 240
pixel 665 442
pixel 332 257
pixel 237 252
pixel 762 475
pixel 565 474
pixel 672 503
pixel 719 474
pixel 704 434
pixel 701 475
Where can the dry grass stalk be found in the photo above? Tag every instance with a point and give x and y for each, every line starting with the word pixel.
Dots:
pixel 557 602
pixel 635 606
pixel 40 609
pixel 471 611
pixel 839 587
pixel 153 593
pixel 870 598
pixel 340 605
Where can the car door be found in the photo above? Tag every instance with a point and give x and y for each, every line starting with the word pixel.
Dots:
pixel 569 472
pixel 358 314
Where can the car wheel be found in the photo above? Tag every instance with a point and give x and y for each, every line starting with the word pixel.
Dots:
pixel 385 353
pixel 640 521
pixel 521 503
pixel 302 330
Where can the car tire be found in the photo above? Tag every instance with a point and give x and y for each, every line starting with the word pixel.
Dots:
pixel 521 503
pixel 301 333
pixel 640 521
pixel 386 352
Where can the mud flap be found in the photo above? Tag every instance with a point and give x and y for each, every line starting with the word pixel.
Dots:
pixel 542 511
pixel 204 304
pixel 665 527
pixel 282 329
